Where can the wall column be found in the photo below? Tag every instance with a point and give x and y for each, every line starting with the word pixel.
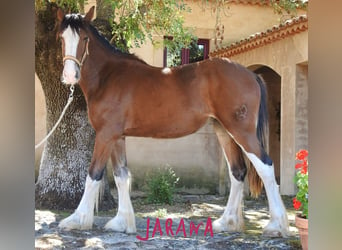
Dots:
pixel 288 130
pixel 302 106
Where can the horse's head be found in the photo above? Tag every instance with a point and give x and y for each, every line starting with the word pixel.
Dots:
pixel 74 43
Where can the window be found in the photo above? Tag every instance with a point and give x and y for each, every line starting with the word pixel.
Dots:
pixel 197 52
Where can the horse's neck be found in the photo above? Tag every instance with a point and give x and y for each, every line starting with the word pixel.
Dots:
pixel 98 56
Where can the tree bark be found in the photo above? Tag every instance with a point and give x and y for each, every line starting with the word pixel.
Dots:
pixel 103 15
pixel 67 153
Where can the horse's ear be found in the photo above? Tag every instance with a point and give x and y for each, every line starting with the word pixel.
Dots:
pixel 90 14
pixel 60 14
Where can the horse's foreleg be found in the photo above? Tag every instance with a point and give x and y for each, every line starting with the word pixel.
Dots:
pixel 124 221
pixel 83 216
pixel 231 220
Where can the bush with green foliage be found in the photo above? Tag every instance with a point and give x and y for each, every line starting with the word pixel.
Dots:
pixel 161 186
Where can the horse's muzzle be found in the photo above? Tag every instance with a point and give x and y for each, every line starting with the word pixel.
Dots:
pixel 71 72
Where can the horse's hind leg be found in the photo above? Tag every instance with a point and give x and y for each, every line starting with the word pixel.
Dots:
pixel 232 219
pixel 83 216
pixel 278 225
pixel 124 221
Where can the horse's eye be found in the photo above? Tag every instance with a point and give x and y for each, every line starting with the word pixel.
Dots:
pixel 86 38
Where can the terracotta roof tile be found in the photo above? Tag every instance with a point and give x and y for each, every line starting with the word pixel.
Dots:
pixel 277 32
pixel 256 2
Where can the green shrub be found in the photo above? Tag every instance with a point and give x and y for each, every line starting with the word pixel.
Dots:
pixel 161 186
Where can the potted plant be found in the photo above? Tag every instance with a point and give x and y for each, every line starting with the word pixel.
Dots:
pixel 300 202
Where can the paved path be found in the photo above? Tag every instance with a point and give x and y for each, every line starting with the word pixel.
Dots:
pixel 188 208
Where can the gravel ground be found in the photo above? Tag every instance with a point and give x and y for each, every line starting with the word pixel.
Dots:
pixel 189 208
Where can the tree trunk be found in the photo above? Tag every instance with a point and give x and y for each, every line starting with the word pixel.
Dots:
pixel 67 153
pixel 104 13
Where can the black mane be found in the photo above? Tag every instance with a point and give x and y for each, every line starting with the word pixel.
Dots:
pixel 76 23
pixel 103 40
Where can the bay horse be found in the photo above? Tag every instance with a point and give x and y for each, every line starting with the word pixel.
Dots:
pixel 127 97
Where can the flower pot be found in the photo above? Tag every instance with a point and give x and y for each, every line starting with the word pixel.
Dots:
pixel 302 225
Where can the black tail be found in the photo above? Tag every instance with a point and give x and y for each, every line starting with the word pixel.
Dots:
pixel 262 127
pixel 255 182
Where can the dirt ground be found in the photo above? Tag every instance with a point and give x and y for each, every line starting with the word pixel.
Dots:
pixel 189 208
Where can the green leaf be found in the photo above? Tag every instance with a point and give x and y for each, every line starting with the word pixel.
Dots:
pixel 136 21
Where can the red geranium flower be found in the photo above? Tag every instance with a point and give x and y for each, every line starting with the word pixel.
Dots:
pixel 302 154
pixel 304 167
pixel 300 202
pixel 296 203
pixel 299 165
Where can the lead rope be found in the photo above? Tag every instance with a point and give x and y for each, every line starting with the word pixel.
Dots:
pixel 71 97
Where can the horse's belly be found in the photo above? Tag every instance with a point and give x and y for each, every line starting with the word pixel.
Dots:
pixel 166 129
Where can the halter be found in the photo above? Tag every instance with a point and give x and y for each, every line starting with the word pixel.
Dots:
pixel 73 58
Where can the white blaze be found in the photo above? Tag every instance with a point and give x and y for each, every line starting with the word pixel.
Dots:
pixel 70 71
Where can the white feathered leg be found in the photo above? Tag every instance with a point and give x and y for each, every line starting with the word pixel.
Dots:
pixel 124 221
pixel 83 216
pixel 278 225
pixel 232 219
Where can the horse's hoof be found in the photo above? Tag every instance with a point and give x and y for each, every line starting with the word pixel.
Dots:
pixel 76 221
pixel 275 230
pixel 118 224
pixel 219 226
pixel 274 234
pixel 230 225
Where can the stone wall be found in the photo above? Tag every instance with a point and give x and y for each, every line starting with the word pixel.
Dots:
pixel 302 106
